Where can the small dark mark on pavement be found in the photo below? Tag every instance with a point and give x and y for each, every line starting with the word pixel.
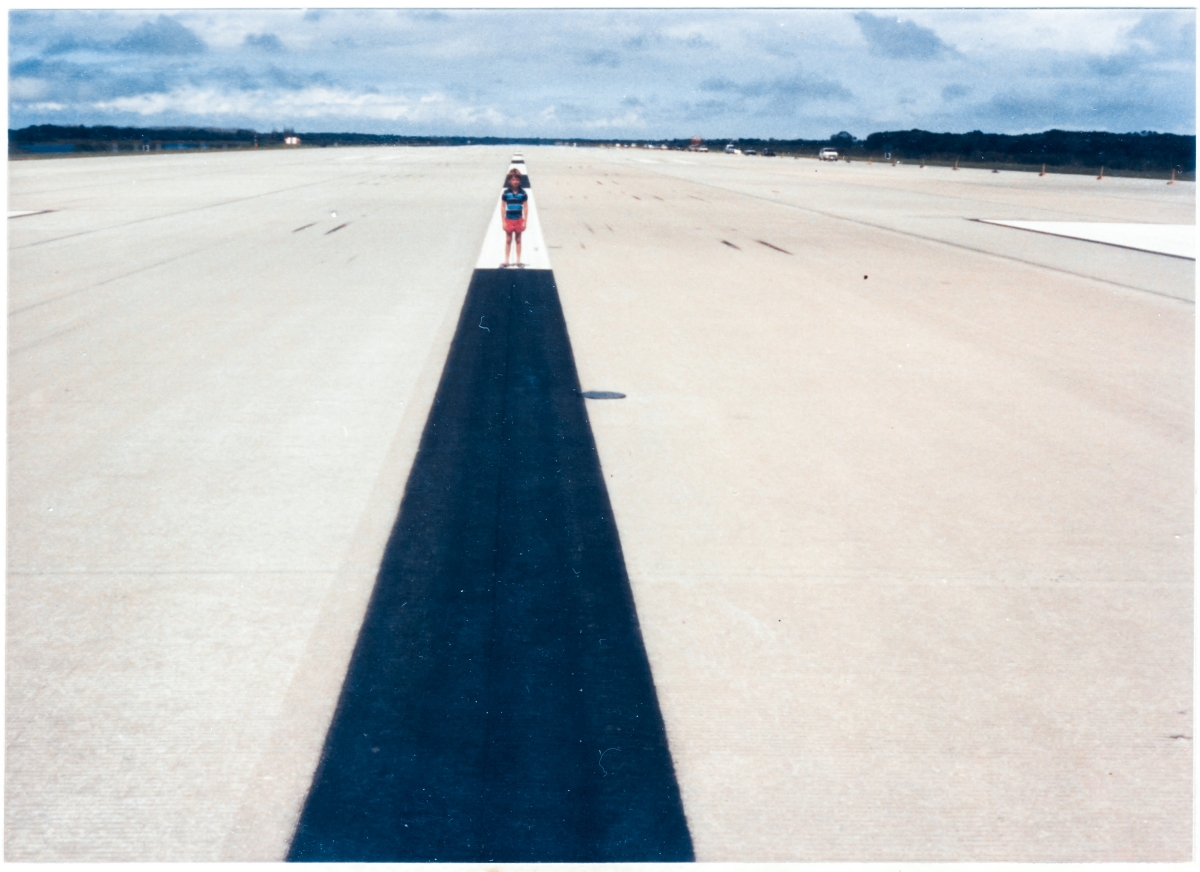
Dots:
pixel 1189 738
pixel 656 197
pixel 730 244
pixel 635 196
pixel 336 229
pixel 305 227
pixel 589 228
pixel 775 247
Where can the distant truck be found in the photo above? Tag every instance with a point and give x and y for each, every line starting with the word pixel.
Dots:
pixel 828 154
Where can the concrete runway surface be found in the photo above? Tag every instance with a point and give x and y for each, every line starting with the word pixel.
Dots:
pixel 905 499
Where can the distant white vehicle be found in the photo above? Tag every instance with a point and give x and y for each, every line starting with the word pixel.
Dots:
pixel 828 154
pixel 702 148
pixel 732 149
pixel 518 158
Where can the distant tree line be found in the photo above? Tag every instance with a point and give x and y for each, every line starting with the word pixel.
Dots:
pixel 105 138
pixel 1145 151
pixel 1137 152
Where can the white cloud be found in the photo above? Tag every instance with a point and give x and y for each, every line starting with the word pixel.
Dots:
pixel 630 120
pixel 24 88
pixel 308 103
pixel 49 106
pixel 1095 31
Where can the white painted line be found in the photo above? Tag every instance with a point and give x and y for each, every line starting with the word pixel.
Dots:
pixel 533 247
pixel 1177 240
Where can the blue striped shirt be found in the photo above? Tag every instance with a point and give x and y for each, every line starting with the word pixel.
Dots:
pixel 513 203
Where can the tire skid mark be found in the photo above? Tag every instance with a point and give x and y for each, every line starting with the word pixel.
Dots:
pixel 769 245
pixel 933 239
pixel 188 211
pixel 41 303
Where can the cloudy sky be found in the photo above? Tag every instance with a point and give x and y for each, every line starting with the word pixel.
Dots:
pixel 608 73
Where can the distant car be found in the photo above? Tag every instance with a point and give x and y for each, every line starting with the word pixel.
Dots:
pixel 702 148
pixel 751 151
pixel 828 154
pixel 768 153
pixel 732 149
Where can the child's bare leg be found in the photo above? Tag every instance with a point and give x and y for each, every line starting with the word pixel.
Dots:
pixel 508 245
pixel 518 235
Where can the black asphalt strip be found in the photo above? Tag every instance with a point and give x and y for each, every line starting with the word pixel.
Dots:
pixel 499 705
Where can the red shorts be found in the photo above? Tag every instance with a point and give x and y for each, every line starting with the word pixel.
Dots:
pixel 516 225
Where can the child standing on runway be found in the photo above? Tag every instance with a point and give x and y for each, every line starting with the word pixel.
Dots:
pixel 514 202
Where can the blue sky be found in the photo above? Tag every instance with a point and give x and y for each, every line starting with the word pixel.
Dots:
pixel 633 73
